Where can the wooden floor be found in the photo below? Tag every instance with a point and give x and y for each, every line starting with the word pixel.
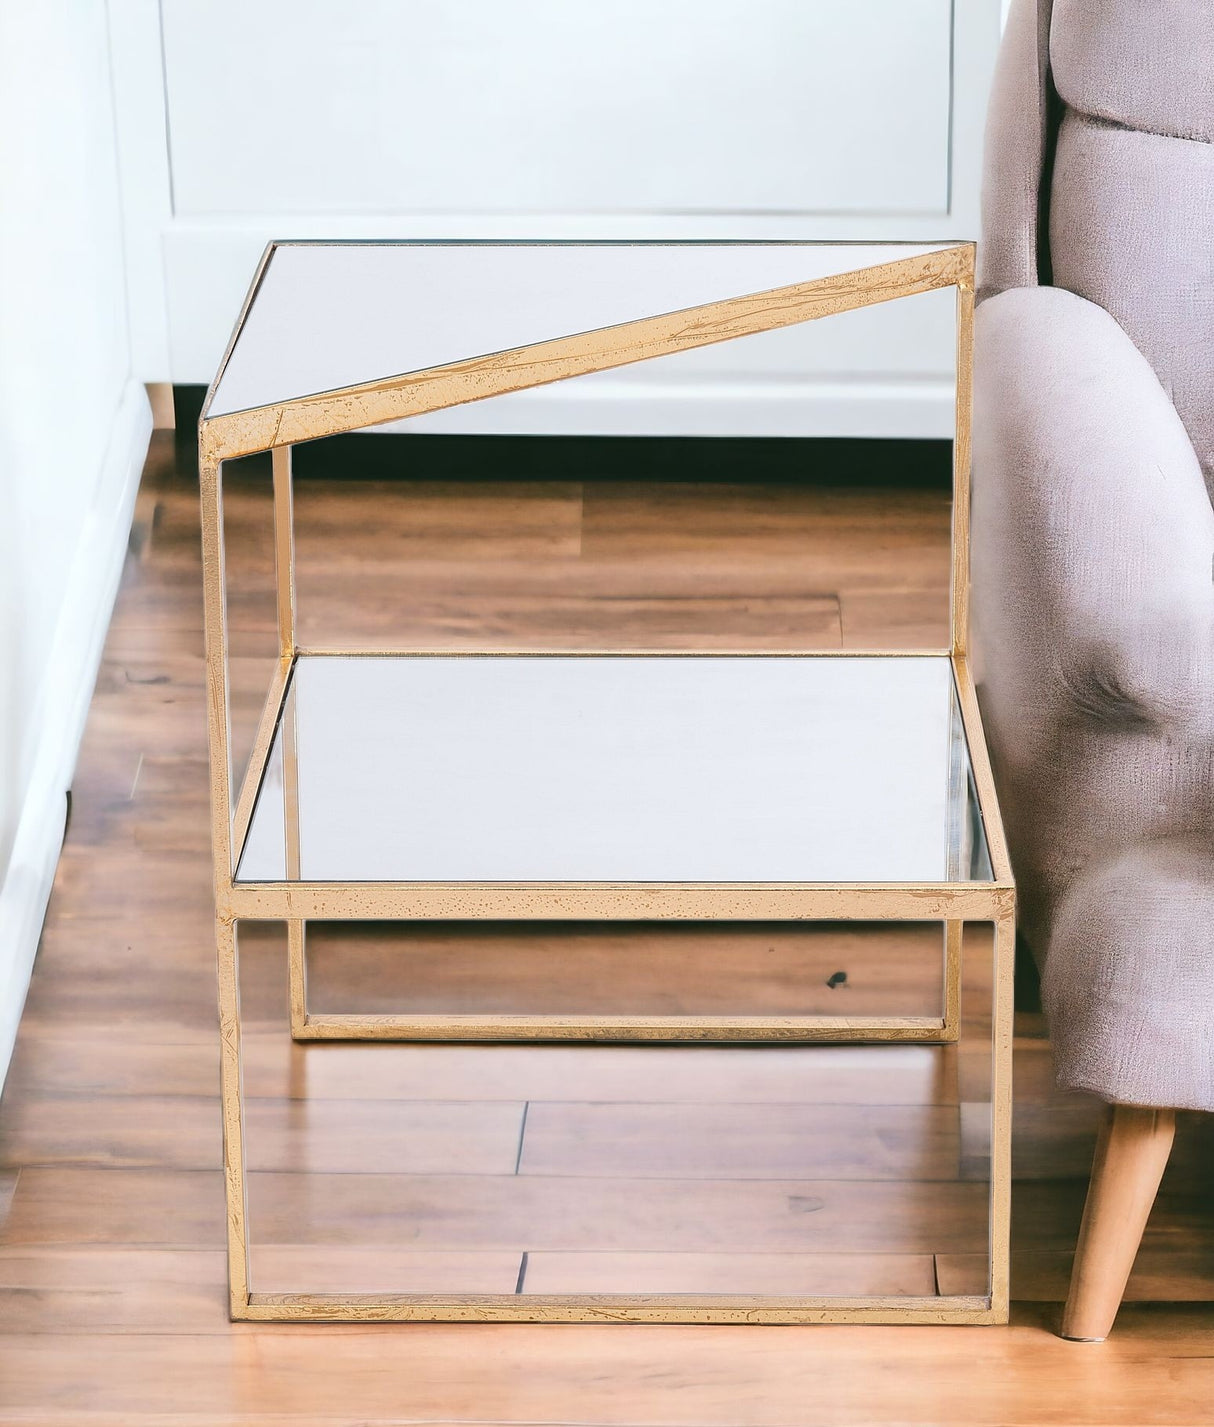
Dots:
pixel 528 1169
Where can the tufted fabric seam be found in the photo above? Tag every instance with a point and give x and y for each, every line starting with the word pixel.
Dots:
pixel 1105 121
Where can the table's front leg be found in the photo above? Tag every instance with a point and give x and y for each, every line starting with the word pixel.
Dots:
pixel 232 1100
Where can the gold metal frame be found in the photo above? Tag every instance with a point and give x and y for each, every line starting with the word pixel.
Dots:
pixel 277 428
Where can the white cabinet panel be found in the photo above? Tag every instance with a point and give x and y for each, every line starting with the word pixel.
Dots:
pixel 559 106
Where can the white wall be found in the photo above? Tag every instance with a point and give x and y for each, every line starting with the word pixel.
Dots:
pixel 74 425
pixel 741 119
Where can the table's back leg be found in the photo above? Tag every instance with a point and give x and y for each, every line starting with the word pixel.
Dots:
pixel 951 1030
pixel 297 970
pixel 1003 1011
pixel 284 578
pixel 284 549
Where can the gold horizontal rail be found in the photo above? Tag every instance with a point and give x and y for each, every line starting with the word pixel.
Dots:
pixel 795 1029
pixel 631 1308
pixel 619 901
pixel 516 652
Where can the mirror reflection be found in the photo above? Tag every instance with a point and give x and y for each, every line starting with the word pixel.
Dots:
pixel 628 768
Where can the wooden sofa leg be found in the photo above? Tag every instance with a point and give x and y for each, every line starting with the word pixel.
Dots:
pixel 1131 1155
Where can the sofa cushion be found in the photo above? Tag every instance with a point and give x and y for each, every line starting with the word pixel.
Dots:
pixel 1144 64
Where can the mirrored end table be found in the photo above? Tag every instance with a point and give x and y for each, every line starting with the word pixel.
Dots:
pixel 393 784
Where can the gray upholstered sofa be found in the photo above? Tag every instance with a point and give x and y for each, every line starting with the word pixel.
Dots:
pixel 1093 559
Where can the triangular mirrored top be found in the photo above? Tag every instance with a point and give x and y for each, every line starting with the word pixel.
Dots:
pixel 332 315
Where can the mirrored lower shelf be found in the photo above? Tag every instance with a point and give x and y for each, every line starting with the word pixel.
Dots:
pixel 616 768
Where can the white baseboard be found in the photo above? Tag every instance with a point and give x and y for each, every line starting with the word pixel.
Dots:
pixel 64 703
pixel 888 408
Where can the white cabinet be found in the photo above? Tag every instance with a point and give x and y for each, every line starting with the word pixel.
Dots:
pixel 747 107
pixel 565 118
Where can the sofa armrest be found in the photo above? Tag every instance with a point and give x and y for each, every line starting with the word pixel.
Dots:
pixel 1093 534
pixel 1093 603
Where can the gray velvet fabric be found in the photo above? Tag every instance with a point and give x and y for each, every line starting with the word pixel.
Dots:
pixel 1143 64
pixel 1094 548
